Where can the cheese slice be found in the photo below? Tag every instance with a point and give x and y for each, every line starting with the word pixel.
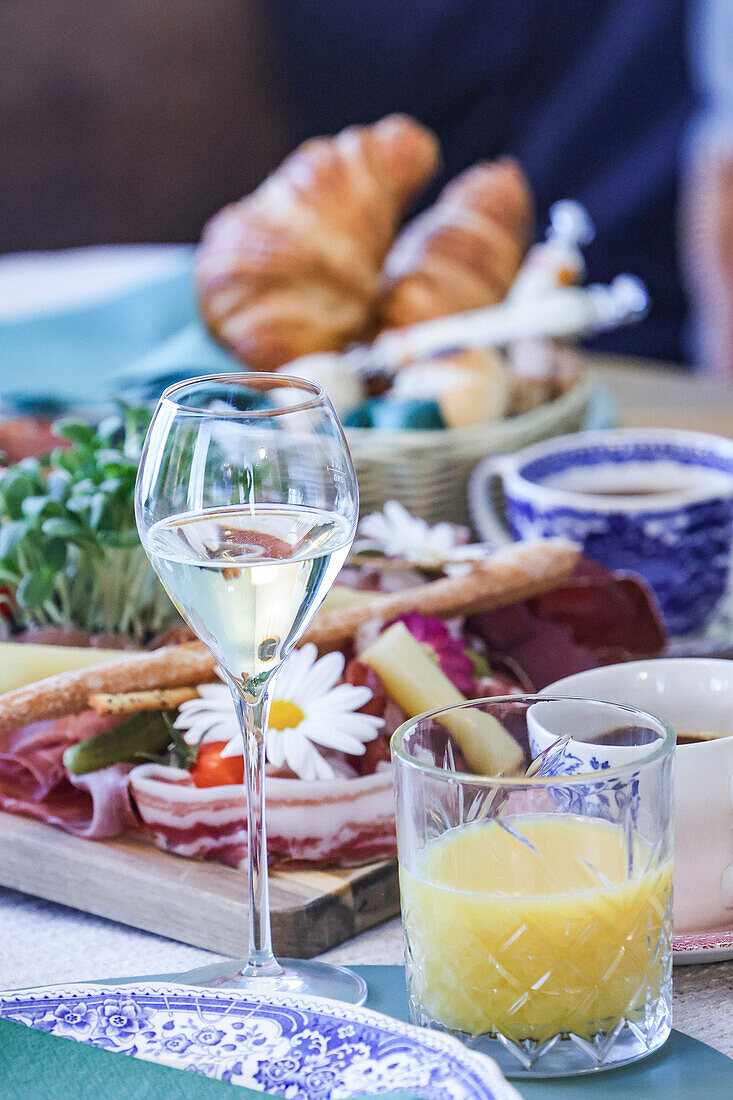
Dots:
pixel 417 684
pixel 341 597
pixel 22 664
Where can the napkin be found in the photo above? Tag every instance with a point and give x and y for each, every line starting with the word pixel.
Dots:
pixel 187 354
pixel 73 353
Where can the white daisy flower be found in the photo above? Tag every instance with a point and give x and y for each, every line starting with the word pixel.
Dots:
pixel 396 533
pixel 309 708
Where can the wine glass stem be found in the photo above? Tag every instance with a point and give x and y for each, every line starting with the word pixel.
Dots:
pixel 253 723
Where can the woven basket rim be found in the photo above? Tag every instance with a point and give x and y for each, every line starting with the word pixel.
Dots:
pixel 376 444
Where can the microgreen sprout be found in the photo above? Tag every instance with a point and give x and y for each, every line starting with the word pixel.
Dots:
pixel 69 548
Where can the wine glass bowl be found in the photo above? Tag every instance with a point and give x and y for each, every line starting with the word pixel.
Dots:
pixel 247 504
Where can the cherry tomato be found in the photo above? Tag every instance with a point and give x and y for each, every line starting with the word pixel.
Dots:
pixel 214 770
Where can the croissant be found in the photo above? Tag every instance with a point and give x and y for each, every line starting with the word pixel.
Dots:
pixel 294 267
pixel 462 253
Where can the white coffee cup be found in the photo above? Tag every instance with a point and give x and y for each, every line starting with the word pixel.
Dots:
pixel 693 695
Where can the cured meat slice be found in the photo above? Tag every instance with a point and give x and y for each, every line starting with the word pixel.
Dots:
pixel 34 781
pixel 343 821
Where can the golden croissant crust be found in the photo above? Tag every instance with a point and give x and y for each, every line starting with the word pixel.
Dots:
pixel 294 267
pixel 464 252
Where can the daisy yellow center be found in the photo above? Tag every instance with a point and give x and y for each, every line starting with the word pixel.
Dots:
pixel 285 715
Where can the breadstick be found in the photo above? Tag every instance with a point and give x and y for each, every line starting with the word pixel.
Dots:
pixel 512 574
pixel 130 702
pixel 515 573
pixel 68 692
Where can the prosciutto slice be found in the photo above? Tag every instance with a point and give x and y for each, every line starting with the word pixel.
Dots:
pixel 597 617
pixel 34 781
pixel 336 821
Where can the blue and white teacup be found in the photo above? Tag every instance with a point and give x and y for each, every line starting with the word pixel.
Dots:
pixel 559 746
pixel 652 501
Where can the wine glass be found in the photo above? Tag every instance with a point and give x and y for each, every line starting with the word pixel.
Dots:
pixel 247 504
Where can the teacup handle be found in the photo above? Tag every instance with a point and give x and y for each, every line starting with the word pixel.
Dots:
pixel 482 485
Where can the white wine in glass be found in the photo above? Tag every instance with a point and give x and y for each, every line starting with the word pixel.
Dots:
pixel 258 572
pixel 247 506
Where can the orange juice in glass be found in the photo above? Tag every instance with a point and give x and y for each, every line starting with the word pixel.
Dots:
pixel 537 909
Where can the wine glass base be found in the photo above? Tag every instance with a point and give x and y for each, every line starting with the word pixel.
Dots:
pixel 303 977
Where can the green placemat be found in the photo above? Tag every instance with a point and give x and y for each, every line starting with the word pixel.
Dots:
pixel 683 1067
pixel 37 1066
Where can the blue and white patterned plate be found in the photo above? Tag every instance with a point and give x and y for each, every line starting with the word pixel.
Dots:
pixel 303 1048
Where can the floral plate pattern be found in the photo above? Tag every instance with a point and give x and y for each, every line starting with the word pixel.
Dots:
pixel 303 1048
pixel 694 948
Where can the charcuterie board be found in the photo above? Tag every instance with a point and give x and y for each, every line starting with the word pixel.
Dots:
pixel 197 902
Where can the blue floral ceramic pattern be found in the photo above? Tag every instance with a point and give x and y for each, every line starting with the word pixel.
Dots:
pixel 298 1047
pixel 603 799
pixel 683 551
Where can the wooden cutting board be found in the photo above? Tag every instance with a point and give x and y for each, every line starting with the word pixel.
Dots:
pixel 197 902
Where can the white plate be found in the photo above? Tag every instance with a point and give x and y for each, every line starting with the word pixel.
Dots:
pixel 302 1047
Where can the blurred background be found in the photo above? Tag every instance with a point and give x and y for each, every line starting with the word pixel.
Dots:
pixel 135 122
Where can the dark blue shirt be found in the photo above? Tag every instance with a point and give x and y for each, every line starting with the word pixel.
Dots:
pixel 592 96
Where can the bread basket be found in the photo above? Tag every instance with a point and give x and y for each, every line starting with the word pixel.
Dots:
pixel 428 471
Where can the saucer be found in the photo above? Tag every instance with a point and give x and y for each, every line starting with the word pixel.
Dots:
pixel 694 948
pixel 306 1048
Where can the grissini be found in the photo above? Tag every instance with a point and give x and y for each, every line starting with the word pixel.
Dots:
pixel 131 702
pixel 68 692
pixel 514 573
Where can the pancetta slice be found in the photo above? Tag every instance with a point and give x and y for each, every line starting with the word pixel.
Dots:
pixel 344 822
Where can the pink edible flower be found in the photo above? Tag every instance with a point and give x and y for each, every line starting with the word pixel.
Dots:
pixel 449 651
